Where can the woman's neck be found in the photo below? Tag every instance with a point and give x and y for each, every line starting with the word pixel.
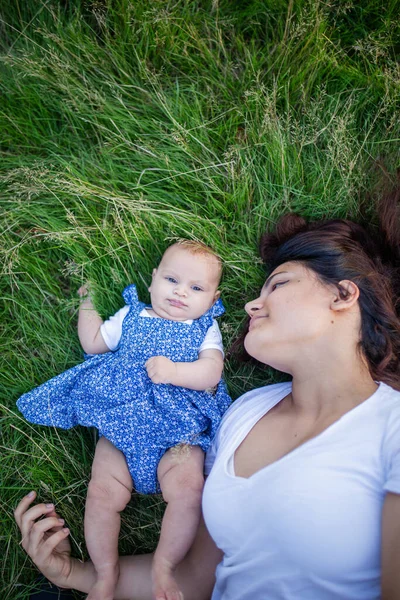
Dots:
pixel 333 386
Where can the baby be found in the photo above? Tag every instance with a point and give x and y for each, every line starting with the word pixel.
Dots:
pixel 149 391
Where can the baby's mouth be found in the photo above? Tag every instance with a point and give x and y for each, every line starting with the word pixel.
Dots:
pixel 177 303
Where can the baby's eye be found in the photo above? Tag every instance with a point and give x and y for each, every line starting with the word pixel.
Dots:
pixel 277 284
pixel 196 288
pixel 171 279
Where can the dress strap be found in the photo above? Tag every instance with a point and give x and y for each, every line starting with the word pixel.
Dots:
pixel 217 309
pixel 130 295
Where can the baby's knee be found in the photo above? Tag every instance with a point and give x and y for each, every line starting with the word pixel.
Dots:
pixel 108 491
pixel 187 488
pixel 192 489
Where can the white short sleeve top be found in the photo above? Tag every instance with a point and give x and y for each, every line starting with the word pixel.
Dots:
pixel 308 526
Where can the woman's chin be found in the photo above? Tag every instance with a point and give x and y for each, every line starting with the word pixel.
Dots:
pixel 254 350
pixel 260 353
pixel 247 344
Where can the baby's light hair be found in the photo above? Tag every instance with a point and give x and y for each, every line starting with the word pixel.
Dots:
pixel 200 248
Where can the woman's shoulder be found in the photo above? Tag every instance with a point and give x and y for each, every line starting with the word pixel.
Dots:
pixel 254 401
pixel 389 392
pixel 262 394
pixel 387 401
pixel 387 407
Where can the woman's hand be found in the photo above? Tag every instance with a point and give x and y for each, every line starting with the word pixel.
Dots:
pixel 45 539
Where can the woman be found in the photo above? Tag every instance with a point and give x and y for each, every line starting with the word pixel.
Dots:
pixel 303 497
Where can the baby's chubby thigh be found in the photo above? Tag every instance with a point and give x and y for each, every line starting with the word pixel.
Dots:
pixel 180 474
pixel 111 482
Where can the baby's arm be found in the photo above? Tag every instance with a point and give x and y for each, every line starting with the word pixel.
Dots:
pixel 198 375
pixel 89 322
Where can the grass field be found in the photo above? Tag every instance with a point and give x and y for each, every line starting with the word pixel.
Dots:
pixel 125 125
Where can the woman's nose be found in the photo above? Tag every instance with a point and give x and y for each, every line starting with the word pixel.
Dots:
pixel 252 306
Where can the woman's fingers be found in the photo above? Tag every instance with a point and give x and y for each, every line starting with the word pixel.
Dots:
pixel 27 519
pixel 47 548
pixel 43 553
pixel 47 525
pixel 23 506
pixel 53 513
pixel 44 538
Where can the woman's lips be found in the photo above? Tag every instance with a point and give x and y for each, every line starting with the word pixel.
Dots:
pixel 254 319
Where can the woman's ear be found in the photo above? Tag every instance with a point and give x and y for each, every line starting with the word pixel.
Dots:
pixel 347 295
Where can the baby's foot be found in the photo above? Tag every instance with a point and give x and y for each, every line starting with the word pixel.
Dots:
pixel 165 586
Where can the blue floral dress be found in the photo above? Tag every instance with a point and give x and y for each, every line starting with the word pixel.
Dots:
pixel 113 393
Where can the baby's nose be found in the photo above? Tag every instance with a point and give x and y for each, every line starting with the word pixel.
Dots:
pixel 180 290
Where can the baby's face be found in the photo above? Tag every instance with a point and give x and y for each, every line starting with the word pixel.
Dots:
pixel 184 286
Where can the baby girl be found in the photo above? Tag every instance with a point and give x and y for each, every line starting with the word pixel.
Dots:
pixel 153 389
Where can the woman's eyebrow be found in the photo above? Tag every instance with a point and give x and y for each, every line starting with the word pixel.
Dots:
pixel 266 284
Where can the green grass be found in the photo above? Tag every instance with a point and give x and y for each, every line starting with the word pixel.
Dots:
pixel 125 125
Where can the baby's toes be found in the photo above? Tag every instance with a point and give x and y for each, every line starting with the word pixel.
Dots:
pixel 174 595
pixel 168 591
pixel 172 592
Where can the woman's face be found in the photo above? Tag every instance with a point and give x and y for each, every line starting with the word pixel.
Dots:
pixel 292 315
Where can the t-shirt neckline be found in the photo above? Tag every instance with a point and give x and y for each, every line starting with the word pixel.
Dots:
pixel 230 460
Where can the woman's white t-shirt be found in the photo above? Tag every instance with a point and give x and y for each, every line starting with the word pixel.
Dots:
pixel 111 331
pixel 308 526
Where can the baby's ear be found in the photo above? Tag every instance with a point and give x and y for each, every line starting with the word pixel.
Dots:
pixel 217 295
pixel 152 277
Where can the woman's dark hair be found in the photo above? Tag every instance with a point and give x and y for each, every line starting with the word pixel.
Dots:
pixel 340 249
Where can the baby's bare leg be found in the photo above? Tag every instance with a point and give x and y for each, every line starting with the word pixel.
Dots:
pixel 180 474
pixel 109 492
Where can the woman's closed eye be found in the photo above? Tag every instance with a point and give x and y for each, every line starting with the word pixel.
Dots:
pixel 278 284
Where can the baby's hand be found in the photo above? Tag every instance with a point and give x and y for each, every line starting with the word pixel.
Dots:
pixel 160 369
pixel 83 291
